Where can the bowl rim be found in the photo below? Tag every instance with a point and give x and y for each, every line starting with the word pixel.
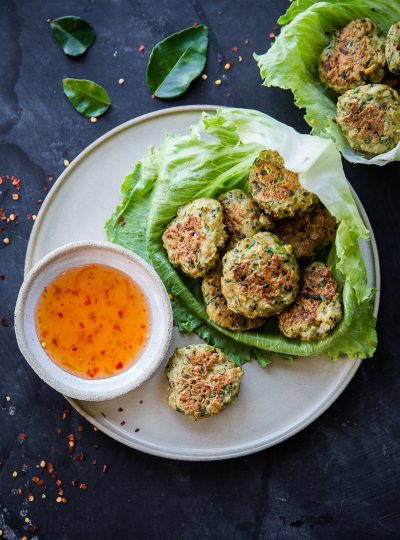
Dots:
pixel 74 390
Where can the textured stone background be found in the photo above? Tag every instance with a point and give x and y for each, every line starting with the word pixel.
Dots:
pixel 339 478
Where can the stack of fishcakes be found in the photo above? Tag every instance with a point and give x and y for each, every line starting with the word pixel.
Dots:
pixel 254 253
pixel 363 67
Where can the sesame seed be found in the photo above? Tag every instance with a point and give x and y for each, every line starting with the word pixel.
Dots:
pixel 14 474
pixel 218 82
pixel 121 81
pixel 27 520
pixel 43 495
pixel 6 241
pixel 227 66
pixel 15 196
pixel 43 344
pixel 240 58
pixel 31 498
pixel 204 77
pixel 66 162
pixel 33 217
pixel 93 119
pixel 8 398
pixel 58 499
pixel 12 217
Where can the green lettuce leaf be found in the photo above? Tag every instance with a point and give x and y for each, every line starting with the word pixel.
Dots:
pixel 291 62
pixel 214 157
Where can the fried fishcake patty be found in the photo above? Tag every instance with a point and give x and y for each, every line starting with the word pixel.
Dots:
pixel 355 55
pixel 307 233
pixel 217 306
pixel 242 216
pixel 260 276
pixel 369 117
pixel 392 48
pixel 202 381
pixel 195 236
pixel 278 190
pixel 317 309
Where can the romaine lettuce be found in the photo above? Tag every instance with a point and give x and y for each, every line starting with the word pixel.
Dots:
pixel 291 62
pixel 216 156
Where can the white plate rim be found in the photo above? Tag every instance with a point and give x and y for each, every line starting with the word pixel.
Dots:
pixel 100 423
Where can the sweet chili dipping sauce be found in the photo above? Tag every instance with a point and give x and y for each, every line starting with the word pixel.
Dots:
pixel 93 321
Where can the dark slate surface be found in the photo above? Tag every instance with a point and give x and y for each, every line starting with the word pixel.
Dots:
pixel 339 478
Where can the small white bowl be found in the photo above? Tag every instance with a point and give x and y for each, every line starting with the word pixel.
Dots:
pixel 78 254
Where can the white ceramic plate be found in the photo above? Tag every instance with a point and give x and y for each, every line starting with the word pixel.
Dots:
pixel 274 403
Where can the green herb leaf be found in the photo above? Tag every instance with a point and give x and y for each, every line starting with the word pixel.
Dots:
pixel 88 98
pixel 176 60
pixel 73 34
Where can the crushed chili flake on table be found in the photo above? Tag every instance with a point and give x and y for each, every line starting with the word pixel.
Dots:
pixel 141 48
pixel 106 468
pixel 82 486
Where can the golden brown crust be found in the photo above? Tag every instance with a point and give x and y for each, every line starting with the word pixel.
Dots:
pixel 260 276
pixel 203 380
pixel 317 309
pixel 355 55
pixel 278 190
pixel 366 119
pixel 307 233
pixel 217 306
pixel 183 238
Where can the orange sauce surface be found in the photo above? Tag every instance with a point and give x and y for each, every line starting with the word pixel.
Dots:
pixel 93 321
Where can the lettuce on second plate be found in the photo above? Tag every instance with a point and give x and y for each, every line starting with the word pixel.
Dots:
pixel 292 61
pixel 214 157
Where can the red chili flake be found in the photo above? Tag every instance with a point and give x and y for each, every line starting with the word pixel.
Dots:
pixel 120 365
pixel 60 492
pixel 271 35
pixel 246 41
pixel 81 428
pixel 35 479
pixel 94 461
pixel 16 182
pixel 19 491
pixel 196 23
pixel 65 414
pixel 59 430
pixel 50 468
pixel 75 483
pixel 79 457
pixel 121 219
pixel 50 177
pixel 82 486
pixel 234 49
pixel 141 48
pixel 58 482
pixel 71 437
pixel 153 96
pixel 106 468
pixel 33 528
pixel 3 321
pixel 1 180
pixel 22 436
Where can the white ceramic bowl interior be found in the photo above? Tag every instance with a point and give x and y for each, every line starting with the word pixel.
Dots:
pixel 78 254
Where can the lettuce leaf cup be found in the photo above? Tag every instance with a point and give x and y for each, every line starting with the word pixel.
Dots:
pixel 216 156
pixel 292 61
